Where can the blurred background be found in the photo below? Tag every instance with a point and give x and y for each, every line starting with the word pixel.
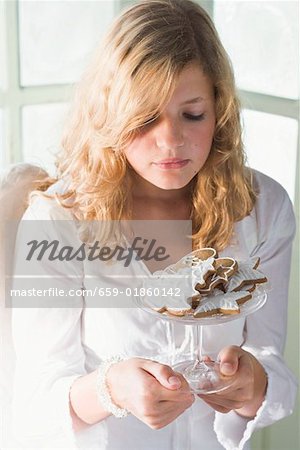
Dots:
pixel 45 45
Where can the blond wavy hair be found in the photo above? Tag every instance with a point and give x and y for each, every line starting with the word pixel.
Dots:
pixel 129 81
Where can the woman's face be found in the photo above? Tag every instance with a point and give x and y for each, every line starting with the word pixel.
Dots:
pixel 171 150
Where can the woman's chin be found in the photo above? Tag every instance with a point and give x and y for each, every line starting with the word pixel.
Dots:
pixel 171 185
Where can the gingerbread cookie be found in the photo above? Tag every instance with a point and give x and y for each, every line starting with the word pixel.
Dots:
pixel 193 259
pixel 178 307
pixel 210 308
pixel 199 264
pixel 247 274
pixel 222 304
pixel 208 285
pixel 202 271
pixel 226 267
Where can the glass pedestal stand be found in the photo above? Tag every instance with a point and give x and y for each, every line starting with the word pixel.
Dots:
pixel 202 374
pixel 203 377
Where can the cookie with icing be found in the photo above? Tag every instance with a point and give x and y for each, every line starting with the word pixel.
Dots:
pixel 174 292
pixel 178 307
pixel 223 269
pixel 202 271
pixel 192 259
pixel 247 274
pixel 226 267
pixel 208 285
pixel 216 280
pixel 250 287
pixel 195 300
pixel 199 264
pixel 222 304
pixel 159 310
pixel 210 308
pixel 179 312
pixel 200 254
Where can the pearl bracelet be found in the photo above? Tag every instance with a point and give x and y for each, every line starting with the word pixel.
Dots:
pixel 103 391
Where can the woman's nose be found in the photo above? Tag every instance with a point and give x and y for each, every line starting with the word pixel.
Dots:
pixel 168 134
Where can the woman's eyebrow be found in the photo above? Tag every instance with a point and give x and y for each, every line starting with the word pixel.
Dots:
pixel 193 100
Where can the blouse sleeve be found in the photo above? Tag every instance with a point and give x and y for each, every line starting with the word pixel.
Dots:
pixel 47 342
pixel 265 330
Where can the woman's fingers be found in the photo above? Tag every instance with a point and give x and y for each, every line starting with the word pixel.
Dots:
pixel 234 361
pixel 147 389
pixel 229 360
pixel 164 374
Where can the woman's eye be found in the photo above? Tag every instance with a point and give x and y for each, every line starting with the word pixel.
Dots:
pixel 193 116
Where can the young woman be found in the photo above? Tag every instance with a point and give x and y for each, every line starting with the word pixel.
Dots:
pixel 154 134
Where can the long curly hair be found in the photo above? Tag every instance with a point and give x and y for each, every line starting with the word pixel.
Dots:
pixel 128 82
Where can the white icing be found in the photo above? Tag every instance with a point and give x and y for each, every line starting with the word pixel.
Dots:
pixel 215 292
pixel 178 310
pixel 225 267
pixel 220 304
pixel 173 290
pixel 201 269
pixel 182 277
pixel 230 296
pixel 194 256
pixel 221 301
pixel 245 272
pixel 207 307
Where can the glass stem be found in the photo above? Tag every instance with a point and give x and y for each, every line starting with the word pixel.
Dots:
pixel 198 341
pixel 171 342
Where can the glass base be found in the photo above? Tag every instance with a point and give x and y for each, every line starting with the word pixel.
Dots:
pixel 204 377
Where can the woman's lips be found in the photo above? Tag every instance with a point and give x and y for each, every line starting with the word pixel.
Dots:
pixel 172 163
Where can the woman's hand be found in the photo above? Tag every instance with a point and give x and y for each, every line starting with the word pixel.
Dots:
pixel 247 392
pixel 151 391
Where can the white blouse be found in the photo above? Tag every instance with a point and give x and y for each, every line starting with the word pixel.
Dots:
pixel 54 346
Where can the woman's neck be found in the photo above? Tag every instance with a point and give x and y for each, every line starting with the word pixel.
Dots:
pixel 144 190
pixel 152 203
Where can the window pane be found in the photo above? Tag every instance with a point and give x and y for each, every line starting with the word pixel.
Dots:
pixel 271 146
pixel 56 38
pixel 262 39
pixel 42 127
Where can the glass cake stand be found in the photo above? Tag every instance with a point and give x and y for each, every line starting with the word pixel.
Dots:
pixel 203 375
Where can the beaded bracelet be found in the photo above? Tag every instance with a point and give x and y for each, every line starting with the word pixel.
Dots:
pixel 103 391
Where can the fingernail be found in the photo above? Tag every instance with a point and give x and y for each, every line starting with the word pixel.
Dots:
pixel 174 380
pixel 227 368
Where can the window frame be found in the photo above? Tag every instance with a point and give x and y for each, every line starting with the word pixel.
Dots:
pixel 14 96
